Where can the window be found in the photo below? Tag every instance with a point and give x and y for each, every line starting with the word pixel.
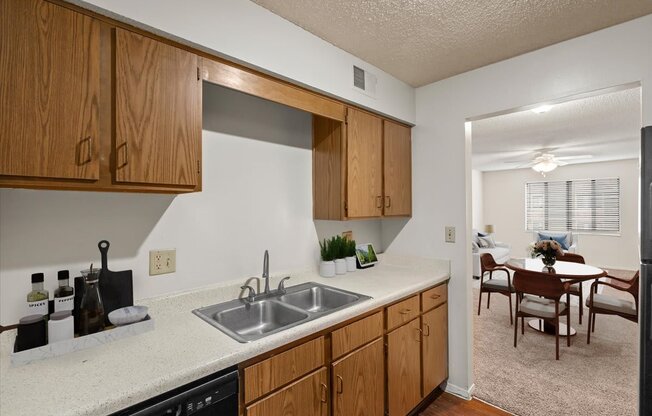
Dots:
pixel 590 205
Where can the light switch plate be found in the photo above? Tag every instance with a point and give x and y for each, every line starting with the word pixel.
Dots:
pixel 450 234
pixel 162 262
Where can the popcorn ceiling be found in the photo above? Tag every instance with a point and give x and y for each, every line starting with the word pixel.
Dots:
pixel 422 41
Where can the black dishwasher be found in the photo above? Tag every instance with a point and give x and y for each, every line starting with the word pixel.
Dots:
pixel 214 395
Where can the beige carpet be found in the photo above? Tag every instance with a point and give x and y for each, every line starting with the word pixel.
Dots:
pixel 596 379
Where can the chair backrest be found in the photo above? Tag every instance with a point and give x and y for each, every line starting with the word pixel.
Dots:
pixel 538 283
pixel 571 257
pixel 487 261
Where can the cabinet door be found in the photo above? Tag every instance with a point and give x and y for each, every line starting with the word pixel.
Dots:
pixel 404 368
pixel 358 382
pixel 397 169
pixel 307 396
pixel 364 164
pixel 158 112
pixel 435 347
pixel 50 66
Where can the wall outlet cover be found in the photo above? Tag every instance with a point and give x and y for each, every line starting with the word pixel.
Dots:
pixel 162 262
pixel 450 234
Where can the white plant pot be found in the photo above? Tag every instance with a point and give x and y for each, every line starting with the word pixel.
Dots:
pixel 340 266
pixel 327 269
pixel 351 264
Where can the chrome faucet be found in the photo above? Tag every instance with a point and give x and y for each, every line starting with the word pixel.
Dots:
pixel 266 271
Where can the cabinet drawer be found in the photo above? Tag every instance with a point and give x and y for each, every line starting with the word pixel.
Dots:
pixel 402 312
pixel 305 397
pixel 274 372
pixel 434 297
pixel 356 334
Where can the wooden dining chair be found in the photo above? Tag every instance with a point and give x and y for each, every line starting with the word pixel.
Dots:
pixel 575 289
pixel 611 305
pixel 504 287
pixel 540 295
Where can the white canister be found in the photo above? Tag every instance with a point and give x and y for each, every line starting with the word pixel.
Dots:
pixel 351 264
pixel 327 269
pixel 340 266
pixel 61 327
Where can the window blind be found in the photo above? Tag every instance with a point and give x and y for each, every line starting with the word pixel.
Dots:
pixel 591 205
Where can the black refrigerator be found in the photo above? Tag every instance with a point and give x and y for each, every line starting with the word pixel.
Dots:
pixel 645 298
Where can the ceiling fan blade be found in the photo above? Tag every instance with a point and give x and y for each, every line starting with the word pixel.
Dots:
pixel 518 161
pixel 574 157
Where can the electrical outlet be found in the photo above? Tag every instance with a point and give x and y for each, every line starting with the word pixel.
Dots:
pixel 162 262
pixel 450 234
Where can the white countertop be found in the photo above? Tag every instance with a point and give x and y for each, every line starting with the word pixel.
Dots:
pixel 182 347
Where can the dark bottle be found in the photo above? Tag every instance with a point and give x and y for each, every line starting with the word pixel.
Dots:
pixel 64 299
pixel 91 310
pixel 64 289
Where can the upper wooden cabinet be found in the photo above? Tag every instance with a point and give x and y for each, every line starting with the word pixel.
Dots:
pixel 364 163
pixel 397 169
pixel 50 66
pixel 361 168
pixel 158 112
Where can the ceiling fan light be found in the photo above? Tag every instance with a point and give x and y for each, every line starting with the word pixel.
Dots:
pixel 542 109
pixel 545 166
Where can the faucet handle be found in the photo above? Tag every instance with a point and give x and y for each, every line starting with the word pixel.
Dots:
pixel 281 284
pixel 251 294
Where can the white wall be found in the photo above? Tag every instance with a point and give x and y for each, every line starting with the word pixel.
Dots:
pixel 441 146
pixel 504 206
pixel 253 35
pixel 477 200
pixel 257 195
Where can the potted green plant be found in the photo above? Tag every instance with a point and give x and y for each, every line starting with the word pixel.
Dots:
pixel 327 265
pixel 350 256
pixel 340 254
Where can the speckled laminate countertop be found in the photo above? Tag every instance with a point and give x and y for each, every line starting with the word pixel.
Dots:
pixel 182 347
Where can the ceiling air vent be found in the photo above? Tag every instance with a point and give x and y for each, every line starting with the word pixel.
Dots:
pixel 364 81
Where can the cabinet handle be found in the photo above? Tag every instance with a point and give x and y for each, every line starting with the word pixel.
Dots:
pixel 324 393
pixel 435 296
pixel 89 150
pixel 125 146
pixel 419 334
pixel 427 333
pixel 379 201
pixel 405 311
pixel 388 201
pixel 340 385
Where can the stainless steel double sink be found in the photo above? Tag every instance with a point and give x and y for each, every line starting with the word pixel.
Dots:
pixel 247 321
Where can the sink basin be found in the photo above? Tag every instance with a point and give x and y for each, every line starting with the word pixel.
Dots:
pixel 318 299
pixel 268 314
pixel 258 318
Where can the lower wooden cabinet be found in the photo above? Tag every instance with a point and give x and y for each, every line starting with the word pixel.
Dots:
pixel 404 368
pixel 358 382
pixel 385 363
pixel 307 396
pixel 434 347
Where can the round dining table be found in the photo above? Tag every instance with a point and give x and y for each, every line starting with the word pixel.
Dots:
pixel 568 272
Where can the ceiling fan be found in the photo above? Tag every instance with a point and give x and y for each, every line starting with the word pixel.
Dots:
pixel 543 161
